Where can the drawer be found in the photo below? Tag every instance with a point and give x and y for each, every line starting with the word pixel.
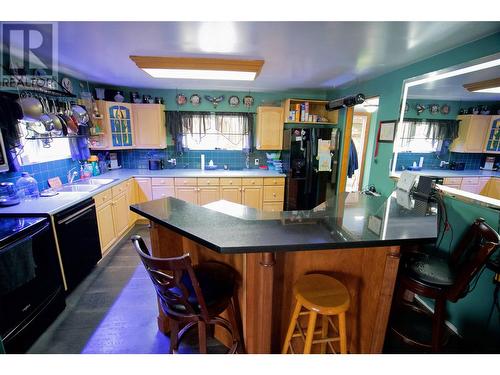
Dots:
pixel 191 181
pixel 208 181
pixel 230 181
pixel 103 197
pixel 274 193
pixel 162 181
pixel 252 181
pixel 272 207
pixel 274 181
pixel 470 180
pixel 452 181
pixel 119 189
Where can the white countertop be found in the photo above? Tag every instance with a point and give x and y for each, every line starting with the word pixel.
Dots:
pixel 55 204
pixel 451 173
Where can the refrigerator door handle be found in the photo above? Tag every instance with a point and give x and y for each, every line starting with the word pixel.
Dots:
pixel 309 167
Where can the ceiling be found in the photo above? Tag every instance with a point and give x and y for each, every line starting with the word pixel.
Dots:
pixel 452 88
pixel 298 55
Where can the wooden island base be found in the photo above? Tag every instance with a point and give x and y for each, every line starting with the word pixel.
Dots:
pixel 266 280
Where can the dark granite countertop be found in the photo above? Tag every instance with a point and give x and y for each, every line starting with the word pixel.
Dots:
pixel 350 220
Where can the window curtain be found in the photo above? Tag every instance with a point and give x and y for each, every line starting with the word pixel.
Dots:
pixel 437 130
pixel 239 125
pixel 231 125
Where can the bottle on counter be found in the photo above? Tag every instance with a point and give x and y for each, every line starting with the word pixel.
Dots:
pixel 27 187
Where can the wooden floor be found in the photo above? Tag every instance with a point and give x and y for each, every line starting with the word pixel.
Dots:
pixel 113 311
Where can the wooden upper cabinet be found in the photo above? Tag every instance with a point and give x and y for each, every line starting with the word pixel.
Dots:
pixel 472 133
pixel 492 140
pixel 117 126
pixel 150 128
pixel 269 128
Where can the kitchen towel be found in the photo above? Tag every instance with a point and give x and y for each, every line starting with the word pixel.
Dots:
pixel 17 267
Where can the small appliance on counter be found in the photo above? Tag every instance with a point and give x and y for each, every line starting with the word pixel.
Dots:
pixel 8 194
pixel 489 164
pixel 113 161
pixel 457 166
pixel 155 164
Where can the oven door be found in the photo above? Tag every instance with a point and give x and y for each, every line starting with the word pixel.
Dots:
pixel 30 274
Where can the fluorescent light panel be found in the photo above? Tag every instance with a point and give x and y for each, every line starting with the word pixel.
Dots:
pixel 491 90
pixel 199 68
pixel 200 74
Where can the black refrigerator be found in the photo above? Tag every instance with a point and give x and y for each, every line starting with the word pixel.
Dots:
pixel 307 186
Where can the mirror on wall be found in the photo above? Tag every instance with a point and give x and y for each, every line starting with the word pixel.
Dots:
pixel 449 127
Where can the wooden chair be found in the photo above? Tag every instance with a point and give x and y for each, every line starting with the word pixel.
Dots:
pixel 442 279
pixel 192 295
pixel 323 295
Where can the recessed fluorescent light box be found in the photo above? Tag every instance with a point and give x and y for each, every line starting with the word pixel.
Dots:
pixel 488 86
pixel 199 68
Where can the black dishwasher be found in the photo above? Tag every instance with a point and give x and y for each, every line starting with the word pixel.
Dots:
pixel 78 239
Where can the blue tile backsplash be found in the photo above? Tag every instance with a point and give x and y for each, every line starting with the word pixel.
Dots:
pixel 431 161
pixel 43 171
pixel 190 159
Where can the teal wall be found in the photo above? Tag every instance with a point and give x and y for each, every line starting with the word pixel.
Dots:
pixel 260 98
pixel 468 315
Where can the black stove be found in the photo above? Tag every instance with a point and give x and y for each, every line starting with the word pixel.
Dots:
pixel 12 228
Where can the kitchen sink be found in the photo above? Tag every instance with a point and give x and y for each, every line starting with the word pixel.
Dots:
pixel 77 188
pixel 94 181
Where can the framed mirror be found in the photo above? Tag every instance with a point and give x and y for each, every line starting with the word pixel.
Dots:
pixel 449 126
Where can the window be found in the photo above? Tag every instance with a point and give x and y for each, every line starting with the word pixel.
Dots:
pixel 211 131
pixel 40 151
pixel 416 138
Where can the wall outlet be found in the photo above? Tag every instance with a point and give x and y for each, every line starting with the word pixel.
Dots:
pixel 256 162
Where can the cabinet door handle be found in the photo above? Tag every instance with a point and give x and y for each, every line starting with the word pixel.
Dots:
pixel 274 194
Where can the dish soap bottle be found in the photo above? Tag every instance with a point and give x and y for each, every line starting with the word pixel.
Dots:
pixel 27 187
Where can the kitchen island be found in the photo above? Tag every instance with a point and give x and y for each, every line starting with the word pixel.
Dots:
pixel 354 237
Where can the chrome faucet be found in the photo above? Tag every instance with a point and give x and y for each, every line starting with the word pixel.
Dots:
pixel 71 175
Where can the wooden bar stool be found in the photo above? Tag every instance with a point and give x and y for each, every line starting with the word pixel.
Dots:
pixel 193 296
pixel 324 295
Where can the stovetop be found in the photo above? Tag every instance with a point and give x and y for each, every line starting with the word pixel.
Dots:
pixel 13 227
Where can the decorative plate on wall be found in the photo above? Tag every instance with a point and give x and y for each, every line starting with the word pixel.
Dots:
pixel 433 109
pixel 420 108
pixel 248 101
pixel 180 99
pixel 234 101
pixel 195 99
pixel 67 84
pixel 445 109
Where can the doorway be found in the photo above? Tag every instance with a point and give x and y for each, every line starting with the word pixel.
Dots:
pixel 361 119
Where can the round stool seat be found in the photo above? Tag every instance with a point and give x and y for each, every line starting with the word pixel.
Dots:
pixel 323 294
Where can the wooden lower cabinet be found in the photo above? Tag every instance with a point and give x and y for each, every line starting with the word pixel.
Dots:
pixel 163 192
pixel 187 193
pixel 231 193
pixel 252 196
pixel 144 191
pixel 208 194
pixel 272 206
pixel 106 225
pixel 120 214
pixel 130 191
